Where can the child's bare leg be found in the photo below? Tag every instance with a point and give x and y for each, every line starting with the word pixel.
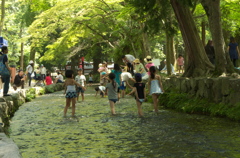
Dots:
pixel 68 100
pixel 73 106
pixel 119 94
pixel 139 106
pixel 123 93
pixel 155 101
pixel 112 106
pixel 78 96
pixel 82 96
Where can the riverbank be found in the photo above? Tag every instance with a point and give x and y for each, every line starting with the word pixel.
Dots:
pixel 8 106
pixel 209 96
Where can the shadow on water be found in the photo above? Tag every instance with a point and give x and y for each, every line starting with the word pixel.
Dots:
pixel 41 131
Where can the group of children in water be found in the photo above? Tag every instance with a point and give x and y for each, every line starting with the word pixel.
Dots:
pixel 73 88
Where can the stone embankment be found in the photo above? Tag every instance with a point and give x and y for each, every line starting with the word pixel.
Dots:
pixel 218 90
pixel 8 106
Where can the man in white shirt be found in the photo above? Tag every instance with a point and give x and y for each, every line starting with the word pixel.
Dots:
pixel 59 78
pixel 29 71
pixel 43 72
pixel 128 59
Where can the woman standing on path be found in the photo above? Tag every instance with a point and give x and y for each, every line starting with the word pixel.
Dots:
pixel 111 91
pixel 233 51
pixel 117 72
pixel 155 86
pixel 70 91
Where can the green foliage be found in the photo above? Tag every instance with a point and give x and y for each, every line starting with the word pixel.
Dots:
pixel 187 103
pixel 31 94
pixel 42 91
pixel 49 89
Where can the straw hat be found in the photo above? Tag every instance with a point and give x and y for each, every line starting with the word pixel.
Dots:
pixel 148 59
pixel 136 61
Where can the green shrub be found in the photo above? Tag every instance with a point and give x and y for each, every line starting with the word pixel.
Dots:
pixel 187 103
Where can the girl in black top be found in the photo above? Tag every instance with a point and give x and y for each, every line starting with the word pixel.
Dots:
pixel 139 90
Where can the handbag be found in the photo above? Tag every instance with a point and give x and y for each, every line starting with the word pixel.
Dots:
pixel 3 68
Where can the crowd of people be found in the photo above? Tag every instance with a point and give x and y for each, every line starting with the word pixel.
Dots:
pixel 113 82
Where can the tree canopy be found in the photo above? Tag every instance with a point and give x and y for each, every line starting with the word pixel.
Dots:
pixel 56 31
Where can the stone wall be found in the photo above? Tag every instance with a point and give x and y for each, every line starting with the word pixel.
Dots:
pixel 8 106
pixel 218 90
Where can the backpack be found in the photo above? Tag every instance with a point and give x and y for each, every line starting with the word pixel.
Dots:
pixel 3 69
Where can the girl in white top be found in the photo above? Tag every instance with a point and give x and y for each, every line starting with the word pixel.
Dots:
pixel 155 86
pixel 70 91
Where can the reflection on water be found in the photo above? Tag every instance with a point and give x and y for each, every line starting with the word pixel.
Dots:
pixel 41 131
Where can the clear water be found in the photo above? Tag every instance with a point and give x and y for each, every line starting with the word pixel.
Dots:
pixel 41 131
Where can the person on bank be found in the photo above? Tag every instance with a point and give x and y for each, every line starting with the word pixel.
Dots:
pixel 59 78
pixel 19 80
pixel 29 71
pixel 233 51
pixel 128 60
pixel 210 51
pixel 7 71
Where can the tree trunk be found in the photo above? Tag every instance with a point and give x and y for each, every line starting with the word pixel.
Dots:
pixel 21 51
pixel 203 33
pixel 170 53
pixel 2 16
pixel 198 62
pixel 222 59
pixel 145 41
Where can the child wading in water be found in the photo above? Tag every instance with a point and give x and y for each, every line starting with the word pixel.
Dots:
pixel 155 86
pixel 70 91
pixel 90 79
pixel 81 79
pixel 111 91
pixel 139 90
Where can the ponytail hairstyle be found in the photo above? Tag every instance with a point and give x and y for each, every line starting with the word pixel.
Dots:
pixel 112 77
pixel 116 67
pixel 152 70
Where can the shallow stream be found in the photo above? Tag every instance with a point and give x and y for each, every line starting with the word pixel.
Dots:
pixel 41 131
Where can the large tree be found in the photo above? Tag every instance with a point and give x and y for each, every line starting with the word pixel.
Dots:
pixel 198 63
pixel 223 63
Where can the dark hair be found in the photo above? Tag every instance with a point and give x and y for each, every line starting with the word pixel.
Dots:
pixel 4 48
pixel 112 77
pixel 179 55
pixel 123 56
pixel 116 67
pixel 20 70
pixel 138 77
pixel 152 70
pixel 69 73
pixel 232 40
pixel 48 74
pixel 209 43
pixel 129 67
pixel 97 89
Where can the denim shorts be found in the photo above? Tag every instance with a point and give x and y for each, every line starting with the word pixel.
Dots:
pixel 113 100
pixel 80 90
